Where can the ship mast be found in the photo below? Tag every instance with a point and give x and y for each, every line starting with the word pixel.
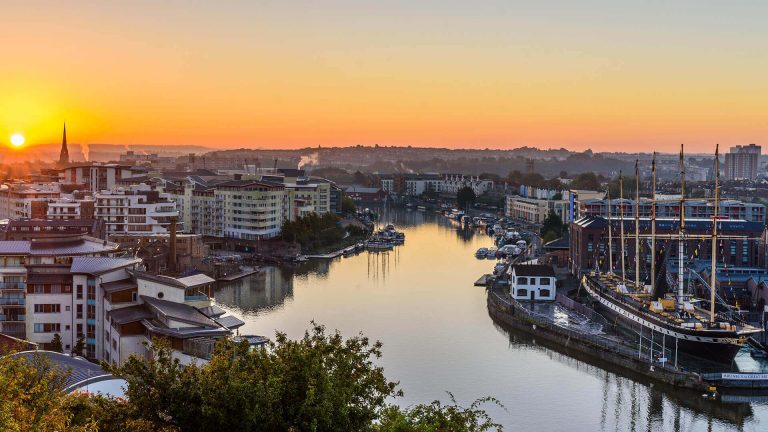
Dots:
pixel 681 234
pixel 621 219
pixel 714 240
pixel 653 223
pixel 610 234
pixel 637 226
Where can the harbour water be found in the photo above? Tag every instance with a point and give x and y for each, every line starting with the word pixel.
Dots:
pixel 420 302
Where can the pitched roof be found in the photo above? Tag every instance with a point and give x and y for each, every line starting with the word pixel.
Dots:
pixel 15 247
pixel 100 265
pixel 119 285
pixel 129 314
pixel 533 270
pixel 185 282
pixel 230 322
pixel 179 312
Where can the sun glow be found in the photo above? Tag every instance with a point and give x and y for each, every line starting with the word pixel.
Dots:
pixel 17 140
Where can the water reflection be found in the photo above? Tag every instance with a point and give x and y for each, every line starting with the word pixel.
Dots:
pixel 420 302
pixel 265 290
pixel 633 403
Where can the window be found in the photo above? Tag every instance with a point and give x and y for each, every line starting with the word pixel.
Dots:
pixel 67 308
pixel 66 327
pixel 79 312
pixel 47 327
pixel 522 281
pixel 544 281
pixel 79 292
pixel 47 308
pixel 522 292
pixel 544 293
pixel 160 295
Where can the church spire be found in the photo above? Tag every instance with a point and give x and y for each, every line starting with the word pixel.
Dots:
pixel 64 155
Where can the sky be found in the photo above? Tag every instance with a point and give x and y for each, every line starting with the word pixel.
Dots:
pixel 604 75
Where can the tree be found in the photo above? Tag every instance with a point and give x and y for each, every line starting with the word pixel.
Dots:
pixel 465 197
pixel 321 382
pixel 32 396
pixel 552 223
pixel 79 348
pixel 587 180
pixel 438 417
pixel 347 205
pixel 56 343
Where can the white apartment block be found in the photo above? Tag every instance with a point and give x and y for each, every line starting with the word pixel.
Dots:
pixel 249 209
pixel 135 210
pixel 20 200
pixel 452 183
pixel 35 285
pixel 98 177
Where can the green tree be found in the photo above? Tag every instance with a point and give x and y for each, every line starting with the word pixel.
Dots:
pixel 438 417
pixel 79 348
pixel 587 180
pixel 32 396
pixel 465 197
pixel 56 343
pixel 321 382
pixel 552 223
pixel 347 205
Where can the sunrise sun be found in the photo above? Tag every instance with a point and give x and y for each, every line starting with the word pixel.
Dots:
pixel 17 140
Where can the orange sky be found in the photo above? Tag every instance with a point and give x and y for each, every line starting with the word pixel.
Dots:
pixel 502 74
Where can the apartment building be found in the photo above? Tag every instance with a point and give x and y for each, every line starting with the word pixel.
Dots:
pixel 98 177
pixel 117 308
pixel 741 162
pixel 31 268
pixel 137 210
pixel 29 229
pixel 728 209
pixel 26 200
pixel 70 207
pixel 453 183
pixel 532 210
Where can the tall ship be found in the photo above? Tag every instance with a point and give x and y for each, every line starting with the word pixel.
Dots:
pixel 676 319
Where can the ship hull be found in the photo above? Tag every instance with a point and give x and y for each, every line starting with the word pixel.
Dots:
pixel 703 344
pixel 714 352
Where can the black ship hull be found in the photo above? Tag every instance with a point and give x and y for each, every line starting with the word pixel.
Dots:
pixel 714 352
pixel 714 346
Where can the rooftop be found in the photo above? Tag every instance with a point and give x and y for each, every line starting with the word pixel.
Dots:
pixel 100 265
pixel 533 270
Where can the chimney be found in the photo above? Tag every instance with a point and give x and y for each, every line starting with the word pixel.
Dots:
pixel 172 247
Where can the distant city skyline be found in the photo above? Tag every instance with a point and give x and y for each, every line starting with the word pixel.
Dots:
pixel 609 76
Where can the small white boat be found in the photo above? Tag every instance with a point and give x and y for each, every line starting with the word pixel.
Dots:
pixel 481 253
pixel 491 252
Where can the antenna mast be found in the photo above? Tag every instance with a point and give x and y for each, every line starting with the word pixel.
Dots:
pixel 610 234
pixel 621 219
pixel 714 240
pixel 653 223
pixel 637 226
pixel 681 234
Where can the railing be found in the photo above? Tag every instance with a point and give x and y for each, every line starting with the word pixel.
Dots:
pixel 12 301
pixel 196 297
pixel 13 285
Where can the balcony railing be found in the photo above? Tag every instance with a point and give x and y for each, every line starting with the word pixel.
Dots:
pixel 13 285
pixel 12 301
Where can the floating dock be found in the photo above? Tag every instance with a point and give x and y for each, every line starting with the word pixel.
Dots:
pixel 240 275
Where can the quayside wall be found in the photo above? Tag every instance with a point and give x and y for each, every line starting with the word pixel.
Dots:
pixel 513 314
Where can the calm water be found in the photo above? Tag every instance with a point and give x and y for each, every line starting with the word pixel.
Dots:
pixel 420 302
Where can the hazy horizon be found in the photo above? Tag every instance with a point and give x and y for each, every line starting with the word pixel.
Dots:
pixel 501 74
